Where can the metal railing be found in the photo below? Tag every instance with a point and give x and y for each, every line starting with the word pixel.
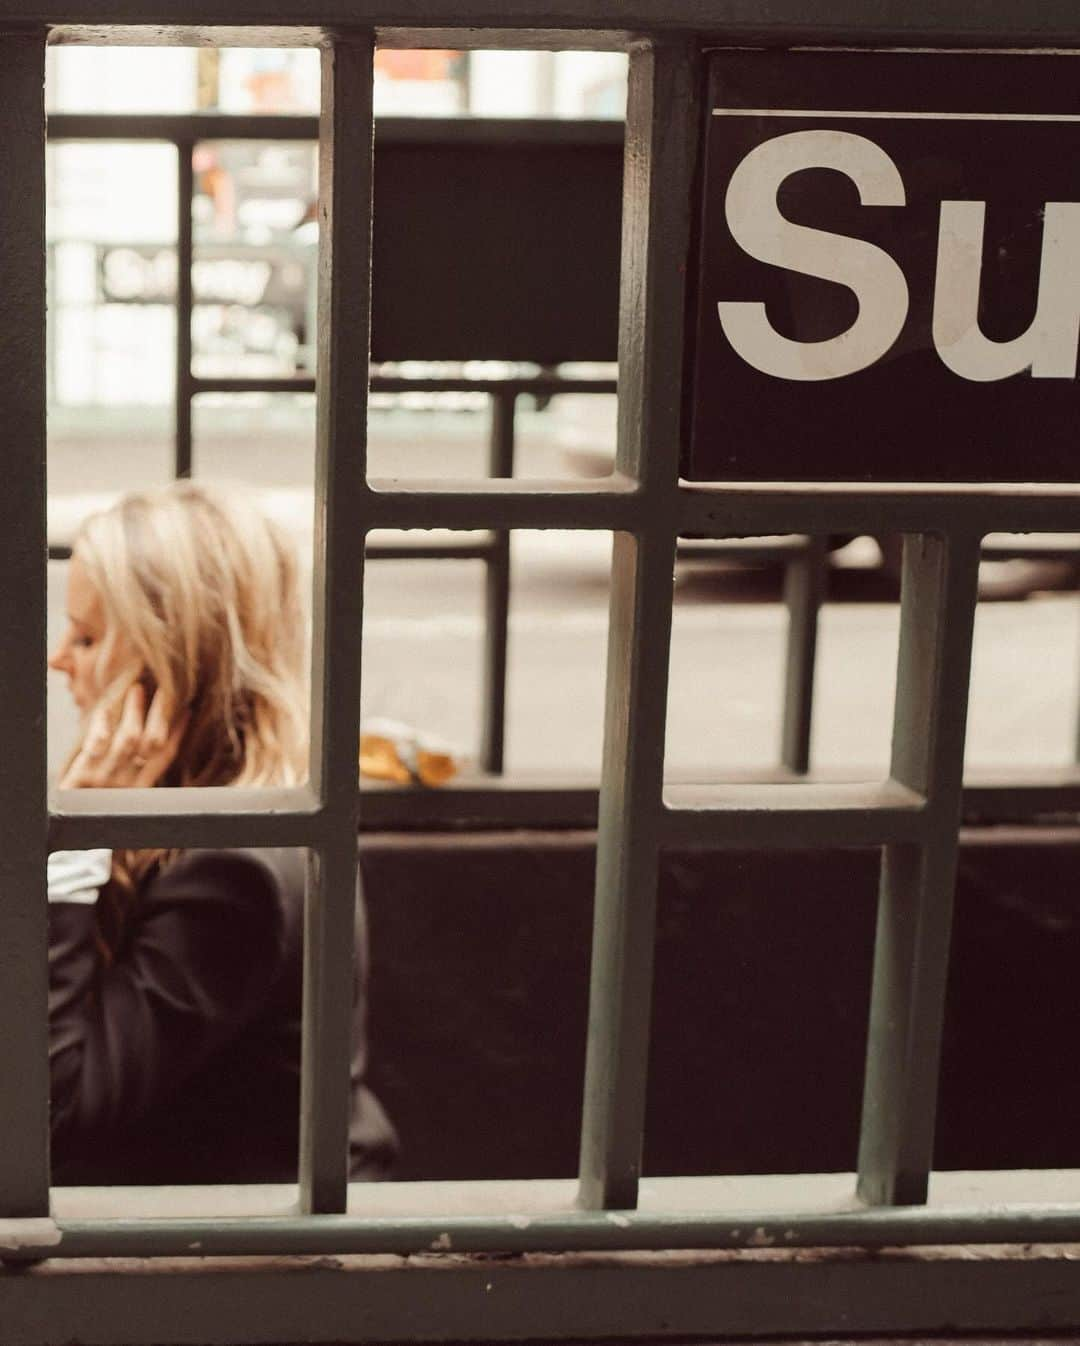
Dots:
pixel 680 1257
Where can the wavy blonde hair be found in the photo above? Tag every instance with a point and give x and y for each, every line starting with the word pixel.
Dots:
pixel 202 592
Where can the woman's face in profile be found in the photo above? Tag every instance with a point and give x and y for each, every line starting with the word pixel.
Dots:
pixel 78 654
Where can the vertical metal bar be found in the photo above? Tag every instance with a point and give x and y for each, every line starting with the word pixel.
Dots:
pixel 185 189
pixel 497 593
pixel 344 320
pixel 1076 734
pixel 804 592
pixel 662 130
pixel 24 1056
pixel 911 952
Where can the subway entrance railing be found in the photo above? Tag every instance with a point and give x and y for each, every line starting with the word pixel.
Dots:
pixel 887 1248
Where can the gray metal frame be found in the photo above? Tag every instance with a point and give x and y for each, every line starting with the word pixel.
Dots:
pixel 402 1263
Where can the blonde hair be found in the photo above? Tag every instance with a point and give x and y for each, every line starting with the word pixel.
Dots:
pixel 202 593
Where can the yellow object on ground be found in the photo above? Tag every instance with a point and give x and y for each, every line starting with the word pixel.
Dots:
pixel 393 751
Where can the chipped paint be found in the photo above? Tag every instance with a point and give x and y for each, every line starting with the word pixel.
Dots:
pixel 520 1221
pixel 759 1238
pixel 442 1244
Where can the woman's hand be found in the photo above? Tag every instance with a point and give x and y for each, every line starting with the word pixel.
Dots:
pixel 126 744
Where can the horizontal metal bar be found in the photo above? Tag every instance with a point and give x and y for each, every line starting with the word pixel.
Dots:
pixel 1008 795
pixel 487 22
pixel 179 128
pixel 1031 547
pixel 531 799
pixel 791 816
pixel 747 551
pixel 868 507
pixel 577 1231
pixel 205 816
pixel 609 503
pixel 407 548
pixel 186 128
pixel 771 1195
pixel 541 385
pixel 544 385
pixel 300 33
pixel 484 802
pixel 995 547
pixel 86 818
pixel 290 383
pixel 752 550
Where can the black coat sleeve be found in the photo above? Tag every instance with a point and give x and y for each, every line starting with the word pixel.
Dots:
pixel 201 956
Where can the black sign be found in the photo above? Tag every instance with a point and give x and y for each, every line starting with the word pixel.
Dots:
pixel 889 280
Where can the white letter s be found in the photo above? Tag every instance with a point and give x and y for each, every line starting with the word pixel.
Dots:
pixel 761 231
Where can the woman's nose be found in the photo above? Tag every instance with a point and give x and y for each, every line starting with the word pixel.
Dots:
pixel 60 659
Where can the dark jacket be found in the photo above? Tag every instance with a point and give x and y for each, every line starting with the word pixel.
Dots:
pixel 178 1060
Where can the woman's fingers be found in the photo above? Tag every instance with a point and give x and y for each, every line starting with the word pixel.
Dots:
pixel 159 762
pixel 126 744
pixel 159 719
pixel 123 760
pixel 87 769
pixel 98 736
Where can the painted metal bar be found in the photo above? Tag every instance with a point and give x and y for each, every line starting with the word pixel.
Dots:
pixel 775 1196
pixel 537 384
pixel 553 799
pixel 939 590
pixel 24 1093
pixel 518 800
pixel 709 510
pixel 191 127
pixel 344 318
pixel 584 1231
pixel 1025 547
pixel 753 550
pixel 487 23
pixel 184 391
pixel 407 548
pixel 497 594
pixel 805 581
pixel 204 816
pixel 285 383
pixel 813 817
pixel 1013 796
pixel 726 512
pixel 1076 732
pixel 410 549
pixel 184 128
pixel 614 504
pixel 88 818
pixel 661 148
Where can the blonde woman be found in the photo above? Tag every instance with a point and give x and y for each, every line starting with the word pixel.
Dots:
pixel 175 977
